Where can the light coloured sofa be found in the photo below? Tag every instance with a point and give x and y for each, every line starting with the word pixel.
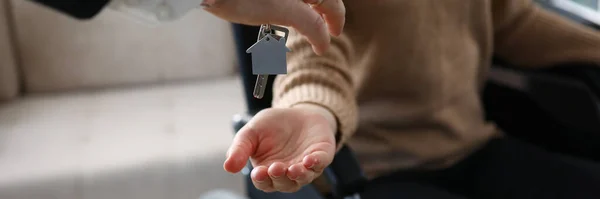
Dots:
pixel 113 108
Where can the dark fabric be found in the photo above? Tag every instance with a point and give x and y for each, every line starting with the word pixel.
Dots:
pixel 504 168
pixel 406 190
pixel 81 9
pixel 537 125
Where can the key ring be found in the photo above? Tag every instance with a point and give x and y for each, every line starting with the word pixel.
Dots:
pixel 266 29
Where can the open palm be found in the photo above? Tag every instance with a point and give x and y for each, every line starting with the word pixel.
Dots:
pixel 287 147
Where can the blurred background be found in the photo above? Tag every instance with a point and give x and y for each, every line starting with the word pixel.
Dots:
pixel 114 108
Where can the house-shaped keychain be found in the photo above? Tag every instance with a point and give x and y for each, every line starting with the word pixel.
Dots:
pixel 269 56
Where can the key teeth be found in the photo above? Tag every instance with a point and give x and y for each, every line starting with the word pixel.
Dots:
pixel 258 93
pixel 260 86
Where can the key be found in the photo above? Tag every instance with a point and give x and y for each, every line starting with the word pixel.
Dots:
pixel 261 79
pixel 268 56
pixel 260 86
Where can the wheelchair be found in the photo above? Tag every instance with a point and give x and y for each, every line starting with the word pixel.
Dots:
pixel 557 109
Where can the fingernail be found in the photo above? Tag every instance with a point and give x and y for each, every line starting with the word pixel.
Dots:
pixel 317 51
pixel 259 179
pixel 308 165
pixel 314 163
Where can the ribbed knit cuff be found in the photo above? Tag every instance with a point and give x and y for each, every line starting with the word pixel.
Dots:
pixel 343 108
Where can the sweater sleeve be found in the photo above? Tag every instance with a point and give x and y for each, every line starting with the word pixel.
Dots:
pixel 529 36
pixel 321 80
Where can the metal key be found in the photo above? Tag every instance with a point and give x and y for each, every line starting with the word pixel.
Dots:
pixel 260 86
pixel 267 33
pixel 262 79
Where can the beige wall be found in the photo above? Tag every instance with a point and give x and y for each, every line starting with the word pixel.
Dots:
pixel 60 53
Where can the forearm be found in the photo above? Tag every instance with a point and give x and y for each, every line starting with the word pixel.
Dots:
pixel 155 11
pixel 82 9
pixel 533 37
pixel 149 10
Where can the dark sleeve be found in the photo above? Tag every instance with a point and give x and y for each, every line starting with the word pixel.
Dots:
pixel 80 9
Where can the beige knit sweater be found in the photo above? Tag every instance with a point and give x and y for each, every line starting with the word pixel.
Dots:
pixel 405 77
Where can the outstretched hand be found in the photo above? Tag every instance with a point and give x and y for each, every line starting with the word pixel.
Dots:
pixel 288 148
pixel 315 19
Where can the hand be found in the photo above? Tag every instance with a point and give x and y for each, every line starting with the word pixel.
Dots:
pixel 288 148
pixel 314 21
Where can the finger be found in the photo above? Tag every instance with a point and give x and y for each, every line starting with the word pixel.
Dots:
pixel 317 161
pixel 334 13
pixel 277 172
pixel 261 180
pixel 300 174
pixel 243 146
pixel 310 24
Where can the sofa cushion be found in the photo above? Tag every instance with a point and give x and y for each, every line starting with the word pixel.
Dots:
pixel 9 81
pixel 135 143
pixel 58 52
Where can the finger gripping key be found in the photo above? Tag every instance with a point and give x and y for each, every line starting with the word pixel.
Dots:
pixel 268 56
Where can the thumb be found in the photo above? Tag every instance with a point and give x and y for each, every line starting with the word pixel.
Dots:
pixel 308 23
pixel 243 146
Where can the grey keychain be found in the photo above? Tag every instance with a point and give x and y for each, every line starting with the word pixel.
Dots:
pixel 268 56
